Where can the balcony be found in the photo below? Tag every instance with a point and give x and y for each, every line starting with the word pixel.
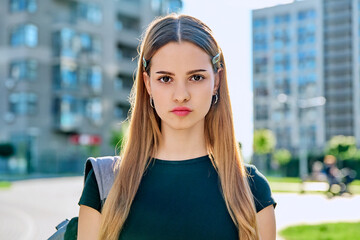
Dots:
pixel 129 8
pixel 337 31
pixel 339 92
pixel 338 54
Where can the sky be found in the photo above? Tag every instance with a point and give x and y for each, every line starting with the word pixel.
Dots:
pixel 230 20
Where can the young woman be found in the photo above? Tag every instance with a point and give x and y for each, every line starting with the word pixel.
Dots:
pixel 181 174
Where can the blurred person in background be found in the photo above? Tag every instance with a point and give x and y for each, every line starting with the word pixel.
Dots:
pixel 338 179
pixel 181 174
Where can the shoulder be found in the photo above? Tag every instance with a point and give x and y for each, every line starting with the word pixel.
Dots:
pixel 260 188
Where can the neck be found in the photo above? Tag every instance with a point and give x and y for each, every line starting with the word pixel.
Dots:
pixel 182 144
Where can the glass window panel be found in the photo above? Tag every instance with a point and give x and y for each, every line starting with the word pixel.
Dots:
pixel 70 43
pixel 259 22
pixel 127 23
pixel 94 110
pixel 126 52
pixel 89 12
pixel 260 42
pixel 23 69
pixel 260 65
pixel 23 5
pixel 284 18
pixel 24 35
pixel 95 79
pixel 121 111
pixel 306 14
pixel 23 103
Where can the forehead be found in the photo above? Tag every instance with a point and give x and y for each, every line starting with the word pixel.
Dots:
pixel 183 54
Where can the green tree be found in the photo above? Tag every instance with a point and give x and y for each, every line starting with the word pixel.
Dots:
pixel 118 136
pixel 263 143
pixel 282 156
pixel 342 147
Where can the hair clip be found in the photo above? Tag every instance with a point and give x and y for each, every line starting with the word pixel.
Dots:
pixel 144 62
pixel 215 59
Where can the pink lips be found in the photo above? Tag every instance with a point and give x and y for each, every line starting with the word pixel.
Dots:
pixel 181 111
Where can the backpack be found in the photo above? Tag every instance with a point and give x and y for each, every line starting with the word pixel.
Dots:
pixel 104 174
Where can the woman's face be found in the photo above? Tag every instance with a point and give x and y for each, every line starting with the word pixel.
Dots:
pixel 182 83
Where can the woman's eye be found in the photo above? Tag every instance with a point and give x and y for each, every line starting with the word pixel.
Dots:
pixel 197 78
pixel 165 79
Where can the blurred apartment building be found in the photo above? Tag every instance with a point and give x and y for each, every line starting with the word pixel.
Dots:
pixel 306 72
pixel 66 70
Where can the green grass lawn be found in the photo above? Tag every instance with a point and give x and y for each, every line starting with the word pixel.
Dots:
pixel 4 185
pixel 326 231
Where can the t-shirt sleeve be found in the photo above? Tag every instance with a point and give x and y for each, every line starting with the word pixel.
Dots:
pixel 91 196
pixel 260 189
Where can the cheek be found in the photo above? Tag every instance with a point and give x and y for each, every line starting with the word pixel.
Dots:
pixel 160 97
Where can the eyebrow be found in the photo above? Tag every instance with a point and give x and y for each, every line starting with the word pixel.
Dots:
pixel 189 72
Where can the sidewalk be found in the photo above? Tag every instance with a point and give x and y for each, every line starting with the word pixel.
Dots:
pixel 31 209
pixel 294 209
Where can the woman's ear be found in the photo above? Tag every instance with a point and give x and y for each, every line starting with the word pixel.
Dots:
pixel 146 78
pixel 218 77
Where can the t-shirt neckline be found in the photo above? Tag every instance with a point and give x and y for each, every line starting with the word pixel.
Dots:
pixel 185 161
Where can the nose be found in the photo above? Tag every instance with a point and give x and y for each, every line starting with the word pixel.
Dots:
pixel 181 92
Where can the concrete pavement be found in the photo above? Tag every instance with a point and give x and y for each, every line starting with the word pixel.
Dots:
pixel 31 209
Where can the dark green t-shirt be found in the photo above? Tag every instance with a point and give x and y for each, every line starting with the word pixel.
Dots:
pixel 180 200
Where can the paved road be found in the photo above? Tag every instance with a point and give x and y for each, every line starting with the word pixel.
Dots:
pixel 31 209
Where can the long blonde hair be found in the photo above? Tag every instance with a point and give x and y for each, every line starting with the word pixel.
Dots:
pixel 145 134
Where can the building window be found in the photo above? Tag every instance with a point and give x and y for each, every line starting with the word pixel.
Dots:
pixel 282 62
pixel 280 19
pixel 93 110
pixel 282 85
pixel 260 89
pixel 95 79
pixel 306 59
pixel 260 65
pixel 306 34
pixel 126 52
pixel 67 112
pixel 307 85
pixel 23 5
pixel 121 111
pixel 170 6
pixel 306 14
pixel 261 112
pixel 24 70
pixel 91 77
pixel 283 137
pixel 69 43
pixel 23 103
pixel 260 42
pixel 259 22
pixel 89 12
pixel 65 76
pixel 123 82
pixel 281 38
pixel 127 23
pixel 308 136
pixel 24 35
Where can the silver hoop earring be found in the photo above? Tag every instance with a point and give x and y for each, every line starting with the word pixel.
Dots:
pixel 152 102
pixel 216 98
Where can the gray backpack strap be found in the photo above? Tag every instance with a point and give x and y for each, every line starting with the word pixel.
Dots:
pixel 104 173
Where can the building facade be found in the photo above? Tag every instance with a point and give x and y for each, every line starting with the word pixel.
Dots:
pixel 66 70
pixel 306 72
